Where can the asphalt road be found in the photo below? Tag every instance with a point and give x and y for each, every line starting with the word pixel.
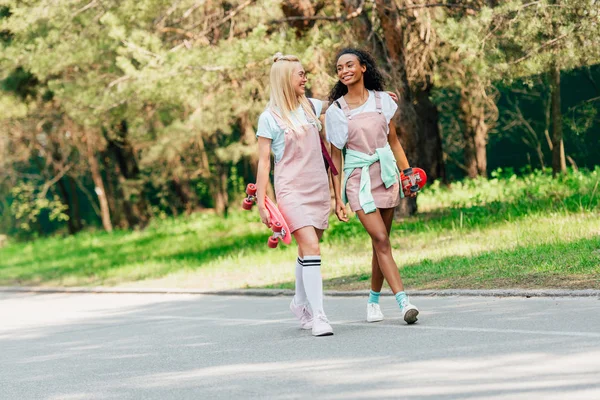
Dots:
pixel 151 346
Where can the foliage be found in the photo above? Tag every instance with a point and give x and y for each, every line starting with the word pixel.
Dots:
pixel 29 203
pixel 529 231
pixel 158 101
pixel 508 194
pixel 512 43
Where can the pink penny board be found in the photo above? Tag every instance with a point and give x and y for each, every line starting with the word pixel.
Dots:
pixel 281 231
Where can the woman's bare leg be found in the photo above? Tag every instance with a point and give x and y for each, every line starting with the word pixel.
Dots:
pixel 387 214
pixel 376 228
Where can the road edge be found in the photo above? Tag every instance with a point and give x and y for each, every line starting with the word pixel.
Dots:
pixel 289 292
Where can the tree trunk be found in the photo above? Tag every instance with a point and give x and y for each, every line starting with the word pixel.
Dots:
pixel 417 117
pixel 112 193
pixel 475 133
pixel 64 195
pixel 406 117
pixel 131 219
pixel 75 204
pixel 186 195
pixel 481 140
pixel 99 185
pixel 559 164
pixel 540 155
pixel 249 139
pixel 128 176
pixel 220 194
pixel 74 222
pixel 301 8
pixel 430 152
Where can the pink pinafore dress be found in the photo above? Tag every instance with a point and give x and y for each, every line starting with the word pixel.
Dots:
pixel 368 131
pixel 301 180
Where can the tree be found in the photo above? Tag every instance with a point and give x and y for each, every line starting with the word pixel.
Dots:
pixel 542 37
pixel 465 66
pixel 408 42
pixel 141 108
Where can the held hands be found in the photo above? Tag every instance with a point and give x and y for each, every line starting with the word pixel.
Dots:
pixel 265 216
pixel 340 211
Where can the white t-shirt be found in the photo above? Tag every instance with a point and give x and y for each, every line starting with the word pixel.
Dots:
pixel 268 127
pixel 336 123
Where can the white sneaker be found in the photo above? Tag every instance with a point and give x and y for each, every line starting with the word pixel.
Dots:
pixel 374 313
pixel 321 327
pixel 409 312
pixel 303 314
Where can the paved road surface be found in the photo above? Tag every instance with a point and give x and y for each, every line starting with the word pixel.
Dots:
pixel 149 346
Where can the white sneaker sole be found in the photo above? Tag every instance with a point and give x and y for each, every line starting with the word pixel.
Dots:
pixel 325 333
pixel 374 319
pixel 322 330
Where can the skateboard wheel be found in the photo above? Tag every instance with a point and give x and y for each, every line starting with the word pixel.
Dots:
pixel 277 227
pixel 251 189
pixel 247 204
pixel 273 242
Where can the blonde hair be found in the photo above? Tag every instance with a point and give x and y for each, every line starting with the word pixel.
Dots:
pixel 283 95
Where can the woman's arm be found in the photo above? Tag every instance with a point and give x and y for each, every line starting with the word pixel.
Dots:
pixel 398 151
pixel 340 207
pixel 322 133
pixel 262 178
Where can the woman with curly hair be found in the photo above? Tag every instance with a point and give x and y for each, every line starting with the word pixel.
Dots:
pixel 361 122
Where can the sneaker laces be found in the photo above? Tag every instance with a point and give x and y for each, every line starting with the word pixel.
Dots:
pixel 404 302
pixel 323 318
pixel 306 313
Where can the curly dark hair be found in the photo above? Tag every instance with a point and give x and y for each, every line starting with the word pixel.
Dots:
pixel 372 77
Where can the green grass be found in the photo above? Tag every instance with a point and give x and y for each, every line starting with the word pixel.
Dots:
pixel 532 231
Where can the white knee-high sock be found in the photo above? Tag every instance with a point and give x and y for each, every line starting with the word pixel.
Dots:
pixel 300 296
pixel 313 283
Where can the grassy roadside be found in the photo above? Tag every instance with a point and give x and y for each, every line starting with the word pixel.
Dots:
pixel 504 232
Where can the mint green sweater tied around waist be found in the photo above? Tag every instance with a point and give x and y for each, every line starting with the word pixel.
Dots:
pixel 389 174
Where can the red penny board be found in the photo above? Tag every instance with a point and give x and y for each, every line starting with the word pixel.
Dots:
pixel 421 180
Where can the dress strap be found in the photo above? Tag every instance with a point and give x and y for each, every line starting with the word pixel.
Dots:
pixel 345 107
pixel 278 119
pixel 378 102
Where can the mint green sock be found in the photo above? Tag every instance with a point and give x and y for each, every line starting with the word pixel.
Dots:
pixel 401 297
pixel 374 297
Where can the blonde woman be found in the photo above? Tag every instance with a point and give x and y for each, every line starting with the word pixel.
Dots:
pixel 290 128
